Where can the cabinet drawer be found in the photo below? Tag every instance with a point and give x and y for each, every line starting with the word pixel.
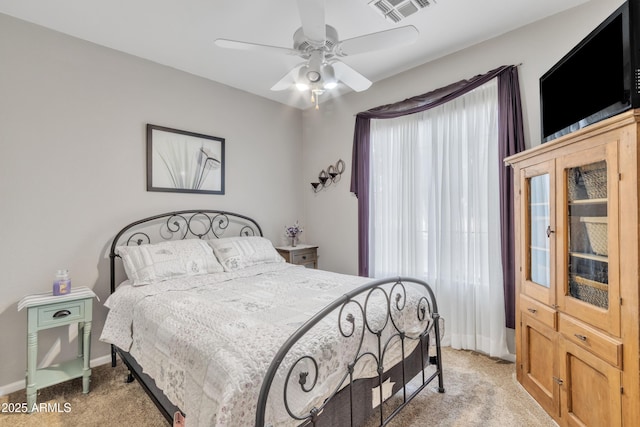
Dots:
pixel 304 257
pixel 603 346
pixel 538 311
pixel 60 314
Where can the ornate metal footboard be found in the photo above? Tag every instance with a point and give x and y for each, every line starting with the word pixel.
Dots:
pixel 409 316
pixel 387 325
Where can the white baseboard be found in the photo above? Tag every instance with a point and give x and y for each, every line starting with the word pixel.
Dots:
pixel 19 385
pixel 10 388
pixel 102 360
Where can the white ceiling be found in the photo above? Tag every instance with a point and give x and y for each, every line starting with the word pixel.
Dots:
pixel 181 33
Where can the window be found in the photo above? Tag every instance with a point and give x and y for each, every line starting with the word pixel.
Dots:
pixel 434 212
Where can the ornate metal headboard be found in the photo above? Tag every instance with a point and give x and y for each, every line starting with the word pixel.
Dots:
pixel 178 225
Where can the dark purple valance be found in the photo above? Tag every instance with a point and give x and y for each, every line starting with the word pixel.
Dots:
pixel 511 141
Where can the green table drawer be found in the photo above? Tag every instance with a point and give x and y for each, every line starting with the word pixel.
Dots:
pixel 61 314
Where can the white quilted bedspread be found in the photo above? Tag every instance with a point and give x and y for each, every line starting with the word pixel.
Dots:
pixel 208 340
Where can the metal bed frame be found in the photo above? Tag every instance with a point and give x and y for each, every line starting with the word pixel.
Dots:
pixel 339 408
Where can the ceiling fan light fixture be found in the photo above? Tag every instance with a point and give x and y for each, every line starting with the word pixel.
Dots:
pixel 314 66
pixel 319 46
pixel 313 76
pixel 301 82
pixel 328 77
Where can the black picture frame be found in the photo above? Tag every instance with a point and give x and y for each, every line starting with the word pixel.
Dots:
pixel 179 161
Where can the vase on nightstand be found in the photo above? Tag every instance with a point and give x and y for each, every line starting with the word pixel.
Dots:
pixel 293 241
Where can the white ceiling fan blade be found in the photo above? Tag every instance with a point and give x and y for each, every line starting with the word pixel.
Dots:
pixel 288 79
pixel 380 40
pixel 234 44
pixel 350 77
pixel 312 17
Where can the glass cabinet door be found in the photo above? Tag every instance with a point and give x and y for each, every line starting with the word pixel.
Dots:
pixel 588 269
pixel 538 205
pixel 539 214
pixel 589 272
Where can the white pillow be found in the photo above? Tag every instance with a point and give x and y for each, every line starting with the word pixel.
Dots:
pixel 235 253
pixel 148 264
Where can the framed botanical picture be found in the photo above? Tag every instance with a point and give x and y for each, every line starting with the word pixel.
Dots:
pixel 184 162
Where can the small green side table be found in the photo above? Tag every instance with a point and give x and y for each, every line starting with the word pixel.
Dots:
pixel 48 311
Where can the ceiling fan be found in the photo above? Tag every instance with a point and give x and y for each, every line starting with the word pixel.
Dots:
pixel 321 49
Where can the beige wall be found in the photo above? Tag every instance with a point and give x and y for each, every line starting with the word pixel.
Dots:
pixel 328 133
pixel 72 165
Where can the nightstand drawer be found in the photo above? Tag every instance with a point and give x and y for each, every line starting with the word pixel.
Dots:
pixel 60 314
pixel 303 257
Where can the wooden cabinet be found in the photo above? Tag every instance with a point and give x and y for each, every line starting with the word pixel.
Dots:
pixel 577 329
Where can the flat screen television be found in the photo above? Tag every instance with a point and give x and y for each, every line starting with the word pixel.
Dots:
pixel 597 79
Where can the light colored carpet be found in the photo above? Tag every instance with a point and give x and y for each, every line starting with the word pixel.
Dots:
pixel 480 391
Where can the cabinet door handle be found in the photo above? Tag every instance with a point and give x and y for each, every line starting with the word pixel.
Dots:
pixel 304 257
pixel 549 231
pixel 61 313
pixel 580 337
pixel 532 310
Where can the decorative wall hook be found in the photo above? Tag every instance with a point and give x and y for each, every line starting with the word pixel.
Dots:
pixel 331 175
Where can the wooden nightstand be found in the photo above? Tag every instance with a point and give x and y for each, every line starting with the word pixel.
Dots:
pixel 306 255
pixel 48 311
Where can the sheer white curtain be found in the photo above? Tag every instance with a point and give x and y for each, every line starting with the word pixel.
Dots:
pixel 434 212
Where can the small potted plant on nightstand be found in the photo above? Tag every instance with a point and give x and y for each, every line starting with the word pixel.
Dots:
pixel 292 233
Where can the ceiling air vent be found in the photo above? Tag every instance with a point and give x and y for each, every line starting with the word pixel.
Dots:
pixel 397 10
